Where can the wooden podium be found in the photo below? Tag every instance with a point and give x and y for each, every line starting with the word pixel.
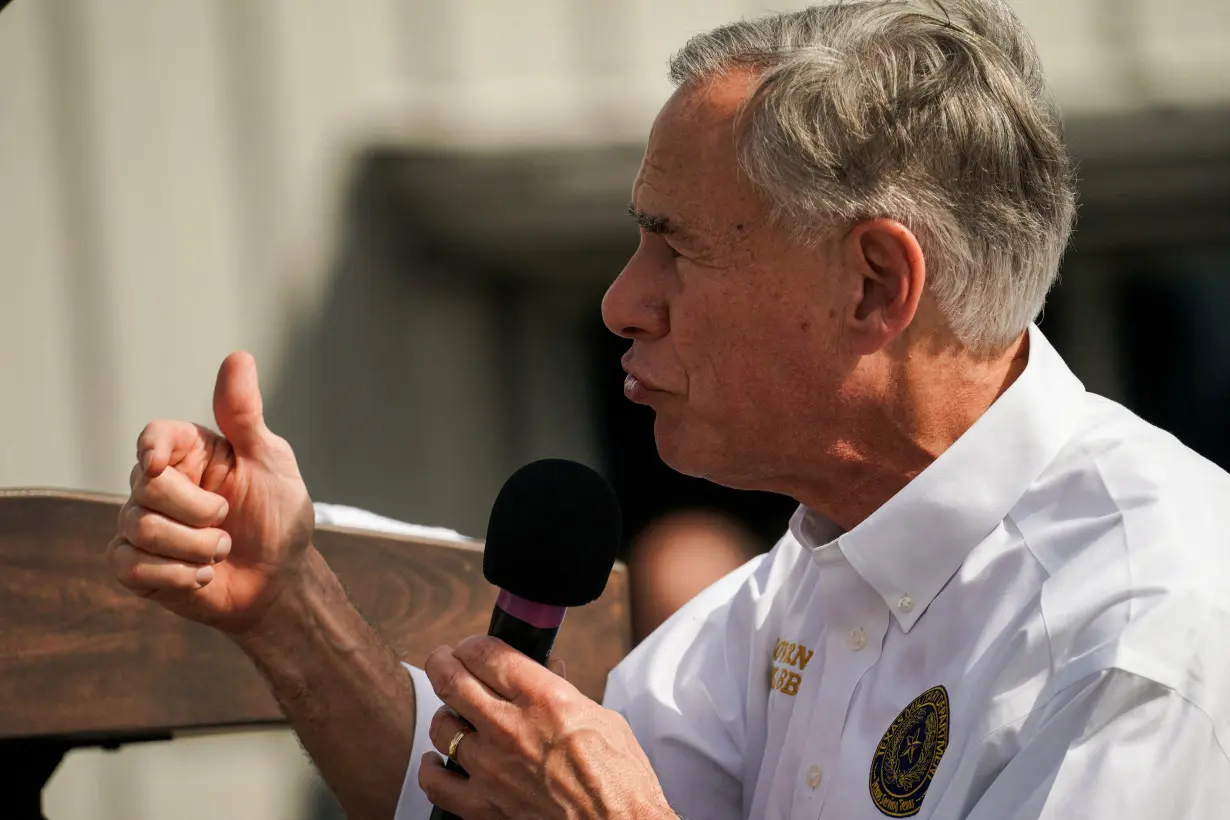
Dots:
pixel 82 663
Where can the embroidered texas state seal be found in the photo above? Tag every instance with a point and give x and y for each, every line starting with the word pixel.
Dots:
pixel 909 753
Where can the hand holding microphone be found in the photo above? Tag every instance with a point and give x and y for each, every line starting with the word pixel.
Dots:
pixel 531 743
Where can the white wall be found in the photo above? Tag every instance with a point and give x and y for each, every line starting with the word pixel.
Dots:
pixel 169 180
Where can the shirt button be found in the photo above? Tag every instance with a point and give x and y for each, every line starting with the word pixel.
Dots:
pixel 906 603
pixel 814 776
pixel 857 639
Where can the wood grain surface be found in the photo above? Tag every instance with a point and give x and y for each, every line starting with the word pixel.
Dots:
pixel 81 658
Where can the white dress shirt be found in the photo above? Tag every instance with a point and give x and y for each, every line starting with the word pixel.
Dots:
pixel 1037 626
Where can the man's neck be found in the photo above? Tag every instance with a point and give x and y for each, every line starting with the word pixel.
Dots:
pixel 931 401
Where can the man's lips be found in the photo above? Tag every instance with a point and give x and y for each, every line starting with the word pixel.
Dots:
pixel 637 389
pixel 634 378
pixel 634 375
pixel 637 386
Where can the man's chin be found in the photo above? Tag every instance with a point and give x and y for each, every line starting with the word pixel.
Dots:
pixel 673 448
pixel 706 459
pixel 684 454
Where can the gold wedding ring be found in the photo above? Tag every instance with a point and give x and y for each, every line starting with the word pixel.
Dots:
pixel 452 746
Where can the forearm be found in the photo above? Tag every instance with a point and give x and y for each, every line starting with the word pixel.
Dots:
pixel 342 688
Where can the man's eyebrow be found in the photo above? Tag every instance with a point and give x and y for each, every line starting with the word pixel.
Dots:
pixel 650 223
pixel 665 226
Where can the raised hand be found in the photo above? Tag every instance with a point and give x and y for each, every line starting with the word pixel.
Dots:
pixel 216 525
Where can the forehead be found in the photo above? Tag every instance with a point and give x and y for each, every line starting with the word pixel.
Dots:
pixel 690 167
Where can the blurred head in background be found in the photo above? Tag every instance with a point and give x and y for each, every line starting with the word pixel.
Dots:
pixel 849 217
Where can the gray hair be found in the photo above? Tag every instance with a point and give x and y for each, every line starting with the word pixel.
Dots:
pixel 932 113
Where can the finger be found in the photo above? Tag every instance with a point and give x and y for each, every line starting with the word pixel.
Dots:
pixel 177 497
pixel 220 465
pixel 451 791
pixel 238 407
pixel 145 573
pixel 557 666
pixel 503 669
pixel 163 444
pixel 445 724
pixel 156 534
pixel 467 695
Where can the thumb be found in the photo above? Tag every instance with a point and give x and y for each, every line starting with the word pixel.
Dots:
pixel 238 408
pixel 556 665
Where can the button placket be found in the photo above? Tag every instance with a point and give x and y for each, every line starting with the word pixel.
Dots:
pixel 850 611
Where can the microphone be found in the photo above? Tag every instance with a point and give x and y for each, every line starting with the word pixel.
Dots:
pixel 551 543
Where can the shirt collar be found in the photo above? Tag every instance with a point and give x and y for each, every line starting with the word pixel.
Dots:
pixel 909 548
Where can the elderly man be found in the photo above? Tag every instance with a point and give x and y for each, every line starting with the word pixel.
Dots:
pixel 1001 597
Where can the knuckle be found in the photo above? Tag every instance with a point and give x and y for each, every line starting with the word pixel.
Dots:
pixel 467 648
pixel 444 676
pixel 120 555
pixel 558 699
pixel 148 434
pixel 584 744
pixel 431 664
pixel 121 518
pixel 142 529
pixel 133 574
pixel 448 684
pixel 554 704
pixel 150 492
pixel 469 644
pixel 486 647
pixel 128 570
pixel 112 556
pixel 480 650
pixel 438 722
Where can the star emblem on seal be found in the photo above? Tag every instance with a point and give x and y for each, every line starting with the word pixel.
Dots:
pixel 909 753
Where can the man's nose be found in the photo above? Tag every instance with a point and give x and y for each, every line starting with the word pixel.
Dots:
pixel 635 305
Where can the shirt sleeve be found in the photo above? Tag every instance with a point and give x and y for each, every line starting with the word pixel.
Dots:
pixel 684 693
pixel 1113 746
pixel 413 804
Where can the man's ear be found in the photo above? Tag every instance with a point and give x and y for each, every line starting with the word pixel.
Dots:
pixel 889 273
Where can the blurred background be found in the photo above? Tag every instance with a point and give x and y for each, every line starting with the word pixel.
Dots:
pixel 408 210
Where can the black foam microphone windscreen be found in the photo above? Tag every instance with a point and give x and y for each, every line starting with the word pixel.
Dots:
pixel 553 534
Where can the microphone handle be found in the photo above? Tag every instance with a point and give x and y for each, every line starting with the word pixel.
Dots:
pixel 534 641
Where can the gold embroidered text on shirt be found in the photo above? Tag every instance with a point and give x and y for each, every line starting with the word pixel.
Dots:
pixel 788 656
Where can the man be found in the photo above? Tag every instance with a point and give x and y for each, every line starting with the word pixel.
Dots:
pixel 1002 598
